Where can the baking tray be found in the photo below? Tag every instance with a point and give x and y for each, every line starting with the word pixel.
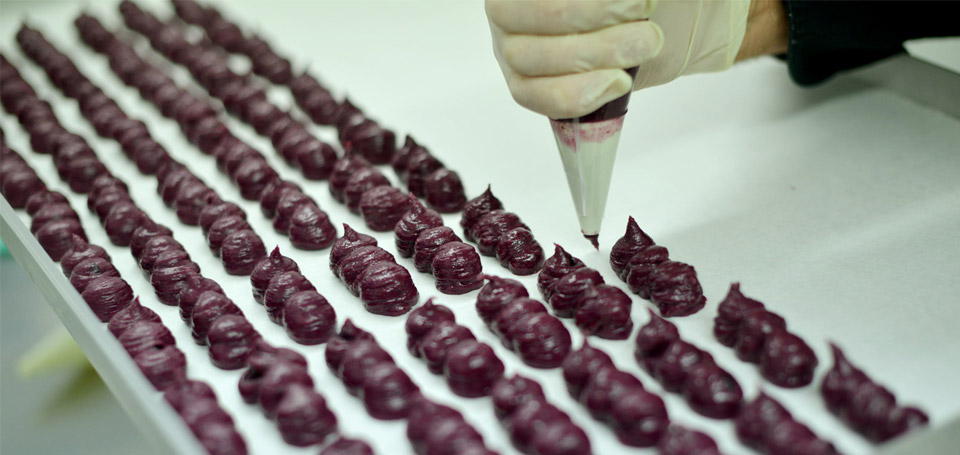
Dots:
pixel 836 206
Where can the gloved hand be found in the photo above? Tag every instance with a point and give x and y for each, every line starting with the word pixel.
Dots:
pixel 565 58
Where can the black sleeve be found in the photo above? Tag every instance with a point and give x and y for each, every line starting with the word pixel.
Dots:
pixel 828 36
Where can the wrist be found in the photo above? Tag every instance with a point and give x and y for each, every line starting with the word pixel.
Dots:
pixel 766 32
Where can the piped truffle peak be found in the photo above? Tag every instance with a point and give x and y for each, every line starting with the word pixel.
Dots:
pixel 594 240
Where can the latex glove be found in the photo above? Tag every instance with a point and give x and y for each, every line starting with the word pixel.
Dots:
pixel 565 58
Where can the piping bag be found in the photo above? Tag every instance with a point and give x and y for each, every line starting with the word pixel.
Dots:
pixel 588 147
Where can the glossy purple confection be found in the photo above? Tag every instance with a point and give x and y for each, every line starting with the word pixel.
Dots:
pixel 232 339
pixel 163 366
pixel 80 173
pixel 51 212
pixel 128 315
pixel 362 180
pixel 436 343
pixel 103 203
pixel 272 193
pixel 427 244
pixel 509 393
pixel 730 313
pixel 107 295
pixel 655 337
pixel 757 326
pixel 505 320
pixel 37 200
pixel 386 288
pixel 266 269
pixel 457 269
pixel 147 230
pixel 309 318
pixel 581 365
pixel 352 266
pixel 252 176
pixel 561 437
pixel 142 336
pixel 80 251
pixel 303 417
pixel 173 257
pixel 188 390
pixel 262 359
pixel 675 289
pixel 152 249
pixel 90 269
pixel 677 440
pixel 554 268
pixel 310 228
pixel 343 170
pixel 541 340
pixel 221 229
pixel 210 306
pixel 471 368
pixel 280 288
pixel 673 366
pixel 605 312
pixel 496 294
pixel 214 211
pixel 371 141
pixel 19 186
pixel 382 207
pixel 488 229
pixel 232 152
pixel 56 237
pixel 402 156
pixel 276 380
pixel 356 361
pixel 867 407
pixel 344 446
pixel 787 361
pixel 241 251
pixel 345 245
pixel 220 438
pixel 518 251
pixel 388 392
pixel 195 285
pixel 191 198
pixel 169 281
pixel 454 435
pixel 528 419
pixel 765 425
pixel 316 159
pixel 604 388
pixel 712 392
pixel 420 164
pixel 443 190
pixel 424 418
pixel 634 240
pixel 416 220
pixel 476 208
pixel 641 266
pixel 565 299
pixel 421 321
pixel 288 203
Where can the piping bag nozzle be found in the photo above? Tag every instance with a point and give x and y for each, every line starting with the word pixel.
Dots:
pixel 588 148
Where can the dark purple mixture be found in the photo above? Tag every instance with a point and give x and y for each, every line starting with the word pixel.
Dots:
pixel 416 220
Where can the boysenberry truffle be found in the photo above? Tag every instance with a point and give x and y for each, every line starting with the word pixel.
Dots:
pixel 561 437
pixel 280 288
pixel 605 312
pixel 581 365
pixel 518 251
pixel 121 221
pixel 266 269
pixel 528 419
pixel 730 315
pixel 147 230
pixel 382 207
pixel 416 220
pixel 675 289
pixel 288 203
pixel 402 156
pixel 180 393
pixel 356 361
pixel 107 295
pixel 343 170
pixel 232 339
pixel 427 244
pixel 310 228
pixel 272 193
pixel 17 187
pixel 191 198
pixel 90 269
pixel 80 251
pixel 142 336
pixel 554 268
pixel 252 176
pixel 568 290
pixel 711 391
pixel 195 285
pixel 677 440
pixel 488 229
pixel 214 211
pixel 639 418
pixel 56 237
pixel 261 360
pixel 210 305
pixel 632 242
pixel 541 340
pixel 303 417
pixel 221 229
pixel 241 251
pixel 163 366
pixel 277 379
pixel 444 191
pixel 420 164
pixel 509 394
pixel 345 245
pixel 496 294
pixel 505 320
pixel 352 266
pixel 787 361
pixel 344 446
pixel 386 288
pixel 388 392
pixel 39 199
pixel 315 158
pixel 758 325
pixel 128 315
pixel 169 281
pixel 471 369
pixel 52 212
pixel 641 266
pixel 362 180
pixel 371 141
pixel 436 343
pixel 309 318
pixel 476 208
pixel 457 269
pixel 421 321
pixel 152 249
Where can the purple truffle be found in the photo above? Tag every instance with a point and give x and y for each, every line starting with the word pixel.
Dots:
pixel 343 170
pixel 554 268
pixel 214 211
pixel 266 269
pixel 107 295
pixel 678 440
pixel 272 193
pixel 143 336
pixel 289 201
pixel 128 315
pixel 496 294
pixel 195 285
pixel 641 266
pixel 90 269
pixel 675 289
pixel 471 369
pixel 382 207
pixel 421 321
pixel 345 245
pixel 232 339
pixel 632 242
pixel 605 312
pixel 310 228
pixel 37 200
pixel 580 366
pixel 210 306
pixel 444 191
pixel 388 392
pixel 509 394
pixel 344 446
pixel 180 393
pixel 420 164
pixel 457 269
pixel 80 251
pixel 436 343
pixel 541 340
pixel 163 366
pixel 309 318
pixel 280 288
pixel 360 182
pixel 476 208
pixel 427 244
pixel 241 251
pixel 303 417
pixel 639 418
pixel 56 237
pixel 147 230
pixel 416 220
pixel 277 379
pixel 488 229
pixel 386 288
pixel 567 292
pixel 52 212
pixel 519 252
pixel 169 281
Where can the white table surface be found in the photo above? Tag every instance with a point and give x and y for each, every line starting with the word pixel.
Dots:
pixel 839 206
